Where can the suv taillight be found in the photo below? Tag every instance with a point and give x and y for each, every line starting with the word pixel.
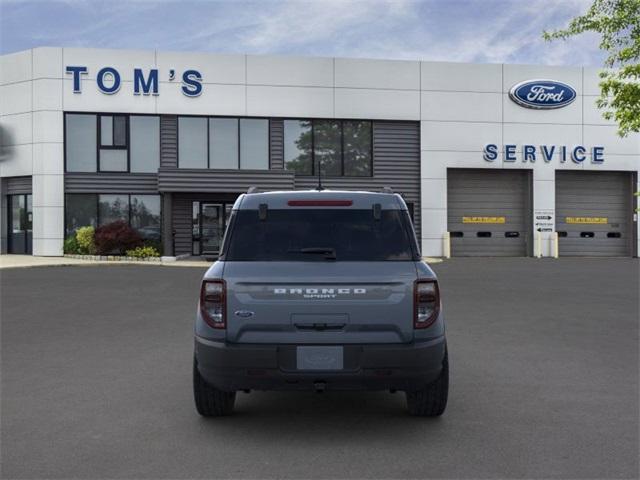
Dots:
pixel 426 303
pixel 213 303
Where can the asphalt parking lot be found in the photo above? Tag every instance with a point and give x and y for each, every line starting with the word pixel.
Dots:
pixel 96 383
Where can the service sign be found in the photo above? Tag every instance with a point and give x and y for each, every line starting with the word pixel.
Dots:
pixel 544 220
pixel 542 94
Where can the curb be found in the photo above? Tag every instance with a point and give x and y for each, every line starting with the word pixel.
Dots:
pixel 88 263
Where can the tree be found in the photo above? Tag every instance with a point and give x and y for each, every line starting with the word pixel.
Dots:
pixel 618 23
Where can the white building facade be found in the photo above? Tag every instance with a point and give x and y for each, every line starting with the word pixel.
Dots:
pixel 167 140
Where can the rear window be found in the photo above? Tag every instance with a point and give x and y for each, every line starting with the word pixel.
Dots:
pixel 320 235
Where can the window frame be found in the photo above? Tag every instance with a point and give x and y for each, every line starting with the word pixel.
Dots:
pixel 101 147
pixel 64 140
pixel 98 116
pixel 121 194
pixel 239 130
pixel 341 121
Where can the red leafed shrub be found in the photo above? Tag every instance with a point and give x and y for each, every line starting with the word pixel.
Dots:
pixel 116 238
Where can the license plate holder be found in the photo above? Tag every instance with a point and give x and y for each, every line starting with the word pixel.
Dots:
pixel 320 358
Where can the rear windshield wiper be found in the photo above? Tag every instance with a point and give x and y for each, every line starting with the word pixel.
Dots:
pixel 329 253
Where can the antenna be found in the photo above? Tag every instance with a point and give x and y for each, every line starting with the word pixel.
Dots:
pixel 320 187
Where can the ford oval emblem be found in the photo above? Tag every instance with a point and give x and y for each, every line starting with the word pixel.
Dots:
pixel 542 94
pixel 243 313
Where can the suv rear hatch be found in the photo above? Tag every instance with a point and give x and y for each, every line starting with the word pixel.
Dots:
pixel 340 302
pixel 320 276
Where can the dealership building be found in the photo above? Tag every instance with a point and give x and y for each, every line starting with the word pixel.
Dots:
pixel 492 159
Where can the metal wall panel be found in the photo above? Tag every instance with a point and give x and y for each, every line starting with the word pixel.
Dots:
pixel 168 141
pixel 18 185
pixel 110 183
pixel 276 144
pixel 182 218
pixel 223 181
pixel 485 198
pixel 585 198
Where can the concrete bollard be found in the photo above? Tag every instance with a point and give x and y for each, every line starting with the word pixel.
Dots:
pixel 447 245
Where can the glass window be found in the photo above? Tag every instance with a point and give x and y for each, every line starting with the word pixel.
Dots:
pixel 254 143
pixel 113 131
pixel 145 216
pixel 145 143
pixel 106 130
pixel 223 142
pixel 113 160
pixel 328 147
pixel 120 131
pixel 112 208
pixel 29 219
pixel 297 146
pixel 81 210
pixel 357 148
pixel 195 228
pixel 316 234
pixel 17 213
pixel 192 142
pixel 80 142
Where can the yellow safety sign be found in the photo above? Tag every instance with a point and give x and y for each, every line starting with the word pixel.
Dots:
pixel 588 220
pixel 484 220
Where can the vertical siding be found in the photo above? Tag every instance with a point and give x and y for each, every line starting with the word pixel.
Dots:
pixel 181 212
pixel 276 144
pixel 396 159
pixel 168 141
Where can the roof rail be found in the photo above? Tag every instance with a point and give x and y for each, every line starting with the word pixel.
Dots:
pixel 252 190
pixel 387 190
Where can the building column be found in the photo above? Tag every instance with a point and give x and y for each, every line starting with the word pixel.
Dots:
pixel 4 216
pixel 167 225
pixel 544 204
pixel 48 192
pixel 433 204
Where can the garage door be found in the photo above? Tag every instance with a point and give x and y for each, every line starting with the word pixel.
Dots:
pixel 488 212
pixel 594 213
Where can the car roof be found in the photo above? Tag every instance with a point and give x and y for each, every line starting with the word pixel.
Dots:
pixel 358 199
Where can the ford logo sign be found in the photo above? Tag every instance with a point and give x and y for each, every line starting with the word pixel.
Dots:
pixel 243 313
pixel 542 94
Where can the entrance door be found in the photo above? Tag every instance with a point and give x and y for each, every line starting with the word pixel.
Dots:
pixel 212 228
pixel 20 221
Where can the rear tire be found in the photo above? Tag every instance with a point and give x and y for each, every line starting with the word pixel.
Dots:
pixel 431 401
pixel 211 402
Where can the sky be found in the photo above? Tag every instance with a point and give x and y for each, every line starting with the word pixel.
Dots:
pixel 484 31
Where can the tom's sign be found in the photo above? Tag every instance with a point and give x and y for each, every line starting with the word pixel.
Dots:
pixel 542 94
pixel 108 80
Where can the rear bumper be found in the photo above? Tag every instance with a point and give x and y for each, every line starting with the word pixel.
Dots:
pixel 233 367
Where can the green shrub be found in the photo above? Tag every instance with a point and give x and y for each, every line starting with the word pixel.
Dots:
pixel 84 237
pixel 71 245
pixel 154 244
pixel 143 252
